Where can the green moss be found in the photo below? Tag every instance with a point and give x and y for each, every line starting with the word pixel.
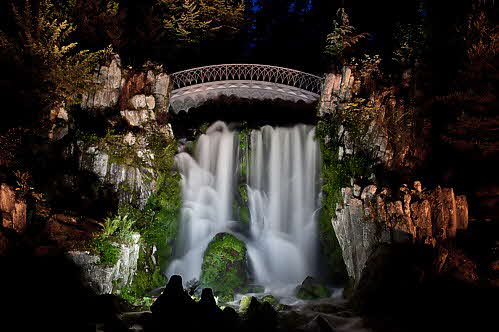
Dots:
pixel 244 215
pixel 147 278
pixel 107 251
pixel 336 174
pixel 332 250
pixel 270 299
pixel 312 289
pixel 224 266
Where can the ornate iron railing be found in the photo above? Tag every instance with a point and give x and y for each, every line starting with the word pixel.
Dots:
pixel 247 72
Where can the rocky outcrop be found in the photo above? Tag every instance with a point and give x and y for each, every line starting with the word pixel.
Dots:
pixel 104 279
pixel 138 95
pixel 133 183
pixel 12 209
pixel 370 216
pixel 110 80
pixel 337 89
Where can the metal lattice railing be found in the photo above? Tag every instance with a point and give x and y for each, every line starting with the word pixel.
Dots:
pixel 247 72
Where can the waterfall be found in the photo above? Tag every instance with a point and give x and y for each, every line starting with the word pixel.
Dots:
pixel 282 184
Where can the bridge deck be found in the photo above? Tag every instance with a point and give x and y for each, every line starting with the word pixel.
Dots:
pixel 193 87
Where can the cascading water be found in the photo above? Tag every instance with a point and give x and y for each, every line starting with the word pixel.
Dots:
pixel 282 184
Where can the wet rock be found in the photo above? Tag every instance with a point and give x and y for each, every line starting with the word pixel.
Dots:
pixel 261 316
pixel 318 324
pixel 312 289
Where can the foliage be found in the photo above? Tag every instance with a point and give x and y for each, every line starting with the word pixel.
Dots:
pixel 410 41
pixel 190 21
pixel 147 277
pixel 108 252
pixel 343 37
pixel 353 118
pixel 224 266
pixel 367 69
pixel 118 229
pixel 336 173
pixel 45 44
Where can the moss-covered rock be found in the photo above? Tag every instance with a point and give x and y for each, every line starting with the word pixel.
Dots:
pixel 244 304
pixel 224 266
pixel 312 289
pixel 270 299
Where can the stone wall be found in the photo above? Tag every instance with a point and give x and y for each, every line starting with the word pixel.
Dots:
pixel 369 216
pixel 104 279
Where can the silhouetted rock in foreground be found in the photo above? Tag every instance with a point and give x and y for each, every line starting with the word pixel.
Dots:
pixel 175 310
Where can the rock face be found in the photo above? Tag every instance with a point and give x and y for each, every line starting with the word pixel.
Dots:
pixel 109 79
pixel 12 209
pixel 337 88
pixel 131 183
pixel 224 266
pixel 409 216
pixel 139 95
pixel 103 279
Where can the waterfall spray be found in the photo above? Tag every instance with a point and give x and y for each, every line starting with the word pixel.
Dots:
pixel 282 184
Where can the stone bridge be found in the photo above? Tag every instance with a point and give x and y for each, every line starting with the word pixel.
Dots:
pixel 193 87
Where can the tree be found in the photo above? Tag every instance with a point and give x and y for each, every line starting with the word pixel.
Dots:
pixel 42 48
pixel 190 22
pixel 342 37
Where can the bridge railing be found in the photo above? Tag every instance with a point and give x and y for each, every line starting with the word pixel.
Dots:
pixel 248 72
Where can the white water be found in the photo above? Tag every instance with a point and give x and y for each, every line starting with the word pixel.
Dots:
pixel 282 182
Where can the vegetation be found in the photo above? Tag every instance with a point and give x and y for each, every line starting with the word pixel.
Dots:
pixel 45 44
pixel 342 38
pixel 311 289
pixel 147 278
pixel 118 229
pixel 191 22
pixel 224 266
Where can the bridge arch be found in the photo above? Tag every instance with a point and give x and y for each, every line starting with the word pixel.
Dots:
pixel 193 87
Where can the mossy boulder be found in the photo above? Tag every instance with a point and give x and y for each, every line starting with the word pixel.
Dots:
pixel 224 266
pixel 311 289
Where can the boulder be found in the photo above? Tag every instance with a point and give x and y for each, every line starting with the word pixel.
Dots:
pixel 312 289
pixel 224 267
